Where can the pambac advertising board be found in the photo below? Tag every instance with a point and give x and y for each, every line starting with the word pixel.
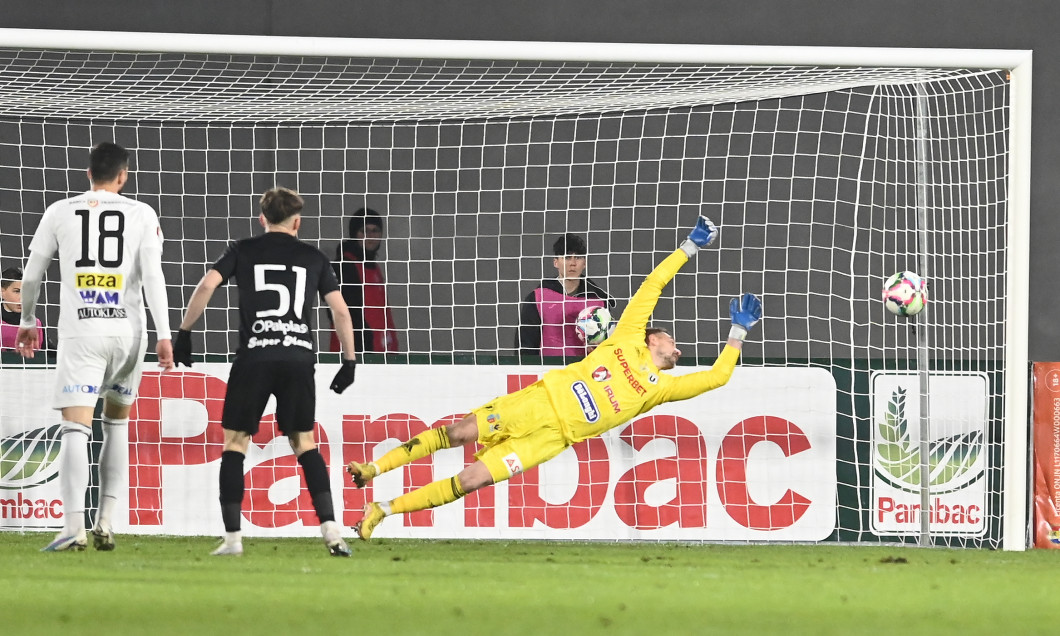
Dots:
pixel 752 461
pixel 958 404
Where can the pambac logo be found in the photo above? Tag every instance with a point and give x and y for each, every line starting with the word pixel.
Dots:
pixel 955 462
pixel 950 460
pixel 29 458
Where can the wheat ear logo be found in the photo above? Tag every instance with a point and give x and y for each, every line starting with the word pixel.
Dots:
pixel 950 460
pixel 29 458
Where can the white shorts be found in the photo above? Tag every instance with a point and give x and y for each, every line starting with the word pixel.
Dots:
pixel 87 369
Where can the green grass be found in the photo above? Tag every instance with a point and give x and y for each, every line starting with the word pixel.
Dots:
pixel 169 585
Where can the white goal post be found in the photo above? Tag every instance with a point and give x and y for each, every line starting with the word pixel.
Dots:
pixel 822 165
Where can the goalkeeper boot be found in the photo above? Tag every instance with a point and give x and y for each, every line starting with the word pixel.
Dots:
pixel 71 543
pixel 103 538
pixel 362 473
pixel 333 539
pixel 228 549
pixel 373 515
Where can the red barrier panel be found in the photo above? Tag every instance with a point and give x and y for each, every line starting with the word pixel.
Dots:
pixel 1047 454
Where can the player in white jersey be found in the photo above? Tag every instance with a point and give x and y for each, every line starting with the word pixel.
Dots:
pixel 110 257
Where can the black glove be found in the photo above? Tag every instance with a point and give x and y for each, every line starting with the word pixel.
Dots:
pixel 182 348
pixel 344 377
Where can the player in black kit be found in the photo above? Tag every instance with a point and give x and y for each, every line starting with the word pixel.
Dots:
pixel 277 276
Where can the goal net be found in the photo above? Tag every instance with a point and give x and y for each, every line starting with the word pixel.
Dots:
pixel 842 423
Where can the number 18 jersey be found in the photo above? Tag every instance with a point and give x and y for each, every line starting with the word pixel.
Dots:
pixel 277 276
pixel 104 241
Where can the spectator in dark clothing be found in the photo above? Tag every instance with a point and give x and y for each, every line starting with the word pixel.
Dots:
pixel 363 285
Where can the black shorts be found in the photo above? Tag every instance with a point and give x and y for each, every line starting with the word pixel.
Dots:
pixel 251 384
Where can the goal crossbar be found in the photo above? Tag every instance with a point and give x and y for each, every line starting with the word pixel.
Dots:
pixel 524 50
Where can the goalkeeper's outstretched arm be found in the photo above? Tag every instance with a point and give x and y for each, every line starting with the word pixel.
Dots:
pixel 745 312
pixel 638 311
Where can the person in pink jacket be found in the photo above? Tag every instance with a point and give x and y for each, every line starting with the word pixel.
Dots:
pixel 11 308
pixel 547 314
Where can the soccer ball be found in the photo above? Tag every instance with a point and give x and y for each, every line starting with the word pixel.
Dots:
pixel 593 325
pixel 904 294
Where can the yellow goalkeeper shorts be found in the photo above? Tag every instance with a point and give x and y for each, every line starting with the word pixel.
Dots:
pixel 519 431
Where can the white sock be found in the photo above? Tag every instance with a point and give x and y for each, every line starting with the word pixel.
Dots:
pixel 113 468
pixel 234 538
pixel 73 476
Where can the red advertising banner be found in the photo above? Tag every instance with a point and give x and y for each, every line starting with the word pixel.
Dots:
pixel 1047 455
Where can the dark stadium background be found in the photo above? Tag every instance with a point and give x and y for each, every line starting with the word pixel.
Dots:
pixel 1012 24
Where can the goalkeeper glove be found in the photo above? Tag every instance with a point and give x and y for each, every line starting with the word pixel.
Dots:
pixel 344 378
pixel 745 312
pixel 182 348
pixel 702 235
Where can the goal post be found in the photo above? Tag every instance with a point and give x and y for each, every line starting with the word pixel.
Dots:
pixel 827 169
pixel 1017 516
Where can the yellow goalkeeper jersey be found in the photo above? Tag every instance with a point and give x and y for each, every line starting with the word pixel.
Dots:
pixel 618 380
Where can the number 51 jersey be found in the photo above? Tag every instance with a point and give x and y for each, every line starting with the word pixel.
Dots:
pixel 103 240
pixel 277 276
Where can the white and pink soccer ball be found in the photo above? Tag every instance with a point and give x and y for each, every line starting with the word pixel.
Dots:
pixel 593 325
pixel 904 294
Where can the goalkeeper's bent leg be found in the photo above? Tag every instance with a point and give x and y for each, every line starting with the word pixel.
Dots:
pixel 418 447
pixel 432 495
pixel 441 492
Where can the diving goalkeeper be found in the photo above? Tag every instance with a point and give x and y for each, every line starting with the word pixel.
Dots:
pixel 618 381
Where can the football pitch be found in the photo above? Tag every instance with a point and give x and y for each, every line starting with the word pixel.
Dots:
pixel 170 585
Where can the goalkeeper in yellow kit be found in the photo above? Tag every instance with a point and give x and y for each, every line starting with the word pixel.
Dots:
pixel 621 379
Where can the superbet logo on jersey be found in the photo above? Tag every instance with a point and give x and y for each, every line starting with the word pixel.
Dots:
pixel 754 460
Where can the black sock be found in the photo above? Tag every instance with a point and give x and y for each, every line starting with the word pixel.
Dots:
pixel 315 472
pixel 232 487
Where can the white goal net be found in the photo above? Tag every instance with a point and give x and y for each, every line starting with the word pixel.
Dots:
pixel 824 178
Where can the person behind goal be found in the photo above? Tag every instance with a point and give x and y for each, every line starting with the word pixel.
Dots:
pixel 277 276
pixel 110 259
pixel 11 309
pixel 621 379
